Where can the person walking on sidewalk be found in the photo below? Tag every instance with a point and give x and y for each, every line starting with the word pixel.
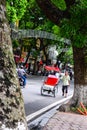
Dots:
pixel 66 83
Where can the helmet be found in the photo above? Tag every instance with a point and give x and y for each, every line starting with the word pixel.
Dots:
pixel 21 66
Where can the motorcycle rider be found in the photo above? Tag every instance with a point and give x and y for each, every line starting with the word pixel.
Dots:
pixel 22 74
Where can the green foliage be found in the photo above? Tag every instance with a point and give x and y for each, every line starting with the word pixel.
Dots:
pixel 33 16
pixel 35 53
pixel 32 3
pixel 73 109
pixel 15 43
pixel 66 51
pixel 69 54
pixel 84 3
pixel 11 13
pixel 75 28
pixel 56 29
pixel 15 9
pixel 47 26
pixel 59 3
pixel 29 24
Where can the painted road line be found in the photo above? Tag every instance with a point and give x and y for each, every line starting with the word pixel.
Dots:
pixel 45 109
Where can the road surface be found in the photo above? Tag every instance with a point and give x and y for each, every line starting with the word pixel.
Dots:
pixel 33 100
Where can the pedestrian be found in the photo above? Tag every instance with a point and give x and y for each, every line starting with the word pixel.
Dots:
pixel 66 83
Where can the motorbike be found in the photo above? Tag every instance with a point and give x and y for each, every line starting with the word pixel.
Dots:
pixel 22 81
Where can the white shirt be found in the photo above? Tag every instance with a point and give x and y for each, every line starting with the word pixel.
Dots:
pixel 66 79
pixel 21 71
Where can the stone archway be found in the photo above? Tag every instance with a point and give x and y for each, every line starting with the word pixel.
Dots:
pixel 19 34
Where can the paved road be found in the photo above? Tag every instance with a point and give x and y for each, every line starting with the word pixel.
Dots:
pixel 33 99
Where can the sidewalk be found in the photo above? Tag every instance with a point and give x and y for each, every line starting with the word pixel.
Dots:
pixel 67 121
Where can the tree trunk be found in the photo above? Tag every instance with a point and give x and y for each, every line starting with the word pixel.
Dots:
pixel 80 78
pixel 52 12
pixel 12 115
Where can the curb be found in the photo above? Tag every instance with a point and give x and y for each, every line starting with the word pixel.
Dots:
pixel 38 113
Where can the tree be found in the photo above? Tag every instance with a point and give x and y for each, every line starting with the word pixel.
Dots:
pixel 12 115
pixel 73 23
pixel 34 18
pixel 15 10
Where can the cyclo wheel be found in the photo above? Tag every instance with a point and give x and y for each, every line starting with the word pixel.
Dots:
pixel 54 92
pixel 41 90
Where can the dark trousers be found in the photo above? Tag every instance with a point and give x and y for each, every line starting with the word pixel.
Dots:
pixel 65 89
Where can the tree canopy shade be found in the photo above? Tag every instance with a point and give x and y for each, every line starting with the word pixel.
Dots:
pixel 69 19
pixel 73 23
pixel 53 12
pixel 75 28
